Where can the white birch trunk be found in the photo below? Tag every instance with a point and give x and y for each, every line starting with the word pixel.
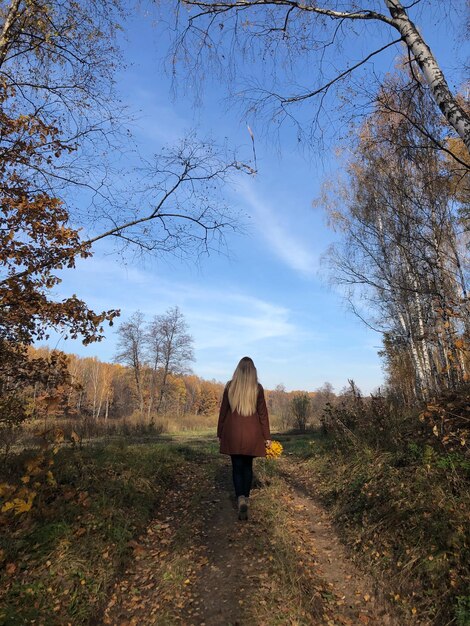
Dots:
pixel 448 285
pixel 100 404
pixel 453 112
pixel 95 375
pixel 425 349
pixel 414 355
pixel 5 34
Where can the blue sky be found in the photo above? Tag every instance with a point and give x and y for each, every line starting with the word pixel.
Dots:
pixel 268 296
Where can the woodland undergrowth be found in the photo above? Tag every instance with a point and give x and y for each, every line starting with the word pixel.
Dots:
pixel 398 488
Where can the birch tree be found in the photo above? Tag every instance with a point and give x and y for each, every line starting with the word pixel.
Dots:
pixel 285 31
pixel 100 392
pixel 401 251
pixel 158 353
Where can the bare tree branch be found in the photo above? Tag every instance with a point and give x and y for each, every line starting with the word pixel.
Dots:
pixel 271 19
pixel 185 188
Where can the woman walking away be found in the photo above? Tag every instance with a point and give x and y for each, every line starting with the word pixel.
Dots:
pixel 243 428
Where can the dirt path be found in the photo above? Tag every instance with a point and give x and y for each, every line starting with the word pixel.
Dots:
pixel 198 565
pixel 355 595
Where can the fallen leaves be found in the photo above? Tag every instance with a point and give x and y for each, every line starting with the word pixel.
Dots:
pixel 10 569
pixel 166 561
pixel 21 504
pixel 179 563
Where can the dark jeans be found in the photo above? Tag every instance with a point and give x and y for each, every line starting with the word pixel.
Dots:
pixel 242 472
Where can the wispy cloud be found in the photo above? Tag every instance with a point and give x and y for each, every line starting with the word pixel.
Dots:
pixel 289 247
pixel 219 318
pixel 240 322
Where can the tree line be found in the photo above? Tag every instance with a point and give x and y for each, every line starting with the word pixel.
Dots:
pixel 150 379
pixel 93 390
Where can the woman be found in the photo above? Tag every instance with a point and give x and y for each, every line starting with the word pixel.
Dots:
pixel 243 428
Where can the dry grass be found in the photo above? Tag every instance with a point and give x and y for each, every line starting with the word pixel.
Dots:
pixel 188 423
pixel 87 429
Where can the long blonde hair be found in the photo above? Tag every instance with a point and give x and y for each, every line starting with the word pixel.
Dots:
pixel 243 388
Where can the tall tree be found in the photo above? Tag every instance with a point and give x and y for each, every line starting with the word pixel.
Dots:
pixel 158 353
pixel 175 346
pixel 131 351
pixel 301 408
pixel 279 403
pixel 53 61
pixel 323 397
pixel 59 123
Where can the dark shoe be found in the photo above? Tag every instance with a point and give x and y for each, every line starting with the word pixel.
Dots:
pixel 242 508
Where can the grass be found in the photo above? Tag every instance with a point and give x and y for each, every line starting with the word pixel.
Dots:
pixel 92 430
pixel 61 558
pixel 404 514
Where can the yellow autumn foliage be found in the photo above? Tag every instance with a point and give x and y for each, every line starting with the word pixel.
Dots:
pixel 21 504
pixel 274 451
pixel 18 498
pixel 6 490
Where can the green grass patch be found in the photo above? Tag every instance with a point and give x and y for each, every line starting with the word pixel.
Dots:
pixel 306 445
pixel 60 559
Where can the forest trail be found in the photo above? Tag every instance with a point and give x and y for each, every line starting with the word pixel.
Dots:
pixel 196 564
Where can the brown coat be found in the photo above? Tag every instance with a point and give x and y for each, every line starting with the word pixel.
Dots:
pixel 243 434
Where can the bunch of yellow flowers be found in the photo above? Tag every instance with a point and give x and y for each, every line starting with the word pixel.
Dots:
pixel 274 451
